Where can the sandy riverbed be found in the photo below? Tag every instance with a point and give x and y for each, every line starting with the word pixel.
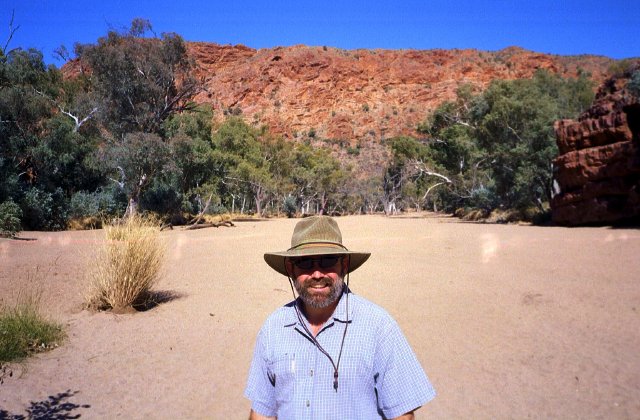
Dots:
pixel 508 321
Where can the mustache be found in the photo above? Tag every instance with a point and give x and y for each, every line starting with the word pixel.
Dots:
pixel 327 280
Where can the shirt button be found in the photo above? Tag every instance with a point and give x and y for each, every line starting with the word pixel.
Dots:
pixel 311 372
pixel 307 403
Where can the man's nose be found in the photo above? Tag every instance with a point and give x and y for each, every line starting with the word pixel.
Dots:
pixel 317 272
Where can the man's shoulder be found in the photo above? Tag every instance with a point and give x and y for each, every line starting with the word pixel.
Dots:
pixel 365 307
pixel 284 315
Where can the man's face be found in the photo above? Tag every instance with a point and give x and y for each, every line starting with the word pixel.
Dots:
pixel 318 279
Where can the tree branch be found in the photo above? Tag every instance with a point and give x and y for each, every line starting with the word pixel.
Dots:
pixel 78 122
pixel 515 133
pixel 424 197
pixel 204 210
pixel 422 168
pixel 12 31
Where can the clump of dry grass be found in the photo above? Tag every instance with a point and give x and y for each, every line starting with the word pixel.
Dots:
pixel 85 223
pixel 128 266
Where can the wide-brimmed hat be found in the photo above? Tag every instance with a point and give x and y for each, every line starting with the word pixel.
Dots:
pixel 316 235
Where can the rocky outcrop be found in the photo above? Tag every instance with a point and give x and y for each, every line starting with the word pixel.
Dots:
pixel 598 168
pixel 357 95
pixel 354 97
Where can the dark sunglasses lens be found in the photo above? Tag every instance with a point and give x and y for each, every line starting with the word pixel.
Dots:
pixel 327 262
pixel 304 263
pixel 324 262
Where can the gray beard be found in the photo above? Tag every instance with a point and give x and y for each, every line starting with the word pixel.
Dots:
pixel 335 291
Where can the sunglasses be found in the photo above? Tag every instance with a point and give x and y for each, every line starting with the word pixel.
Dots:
pixel 326 261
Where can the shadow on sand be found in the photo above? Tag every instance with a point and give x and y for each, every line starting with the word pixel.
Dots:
pixel 57 407
pixel 154 298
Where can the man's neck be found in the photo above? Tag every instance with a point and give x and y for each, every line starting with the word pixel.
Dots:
pixel 317 317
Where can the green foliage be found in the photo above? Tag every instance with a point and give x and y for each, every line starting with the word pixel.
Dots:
pixel 136 78
pixel 103 202
pixel 10 215
pixel 316 175
pixel 241 157
pixel 408 175
pixel 354 151
pixel 624 67
pixel 497 146
pixel 290 206
pixel 253 164
pixel 64 158
pixel 126 134
pixel 163 198
pixel 24 331
pixel 136 161
pixel 312 133
pixel 195 124
pixel 9 183
pixel 43 156
pixel 43 210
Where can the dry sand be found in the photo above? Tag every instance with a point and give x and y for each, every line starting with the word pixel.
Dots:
pixel 508 321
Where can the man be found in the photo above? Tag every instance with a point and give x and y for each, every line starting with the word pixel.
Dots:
pixel 330 354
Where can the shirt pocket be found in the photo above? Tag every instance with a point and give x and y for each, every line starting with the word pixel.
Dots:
pixel 282 373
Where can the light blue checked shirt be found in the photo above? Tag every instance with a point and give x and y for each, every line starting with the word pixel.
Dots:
pixel 379 375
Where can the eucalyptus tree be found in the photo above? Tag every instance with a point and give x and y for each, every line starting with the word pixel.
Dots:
pixel 497 146
pixel 141 81
pixel 138 83
pixel 316 177
pixel 43 160
pixel 243 163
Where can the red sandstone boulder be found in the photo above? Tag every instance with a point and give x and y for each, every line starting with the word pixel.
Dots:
pixel 598 169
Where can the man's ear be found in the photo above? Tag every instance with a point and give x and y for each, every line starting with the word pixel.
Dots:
pixel 288 265
pixel 345 264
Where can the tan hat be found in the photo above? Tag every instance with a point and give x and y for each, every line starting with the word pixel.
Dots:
pixel 316 235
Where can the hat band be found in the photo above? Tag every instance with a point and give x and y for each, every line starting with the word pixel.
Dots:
pixel 306 245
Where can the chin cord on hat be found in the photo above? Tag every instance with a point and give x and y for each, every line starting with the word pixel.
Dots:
pixel 313 338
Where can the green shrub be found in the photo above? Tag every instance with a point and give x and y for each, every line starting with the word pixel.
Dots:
pixel 24 331
pixel 289 206
pixel 43 210
pixel 621 67
pixel 216 209
pixel 10 215
pixel 483 198
pixel 354 151
pixel 83 204
pixel 104 202
pixel 162 198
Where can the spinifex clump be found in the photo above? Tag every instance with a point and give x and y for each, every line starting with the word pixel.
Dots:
pixel 127 267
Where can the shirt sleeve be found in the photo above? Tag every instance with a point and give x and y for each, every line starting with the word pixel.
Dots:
pixel 401 383
pixel 260 389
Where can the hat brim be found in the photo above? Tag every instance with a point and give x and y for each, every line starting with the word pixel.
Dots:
pixel 276 260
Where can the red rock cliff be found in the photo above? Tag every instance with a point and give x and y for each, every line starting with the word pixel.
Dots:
pixel 598 170
pixel 357 95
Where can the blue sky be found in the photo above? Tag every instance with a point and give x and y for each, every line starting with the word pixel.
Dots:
pixel 606 27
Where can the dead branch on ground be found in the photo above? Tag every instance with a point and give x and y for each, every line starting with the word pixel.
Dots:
pixel 225 223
